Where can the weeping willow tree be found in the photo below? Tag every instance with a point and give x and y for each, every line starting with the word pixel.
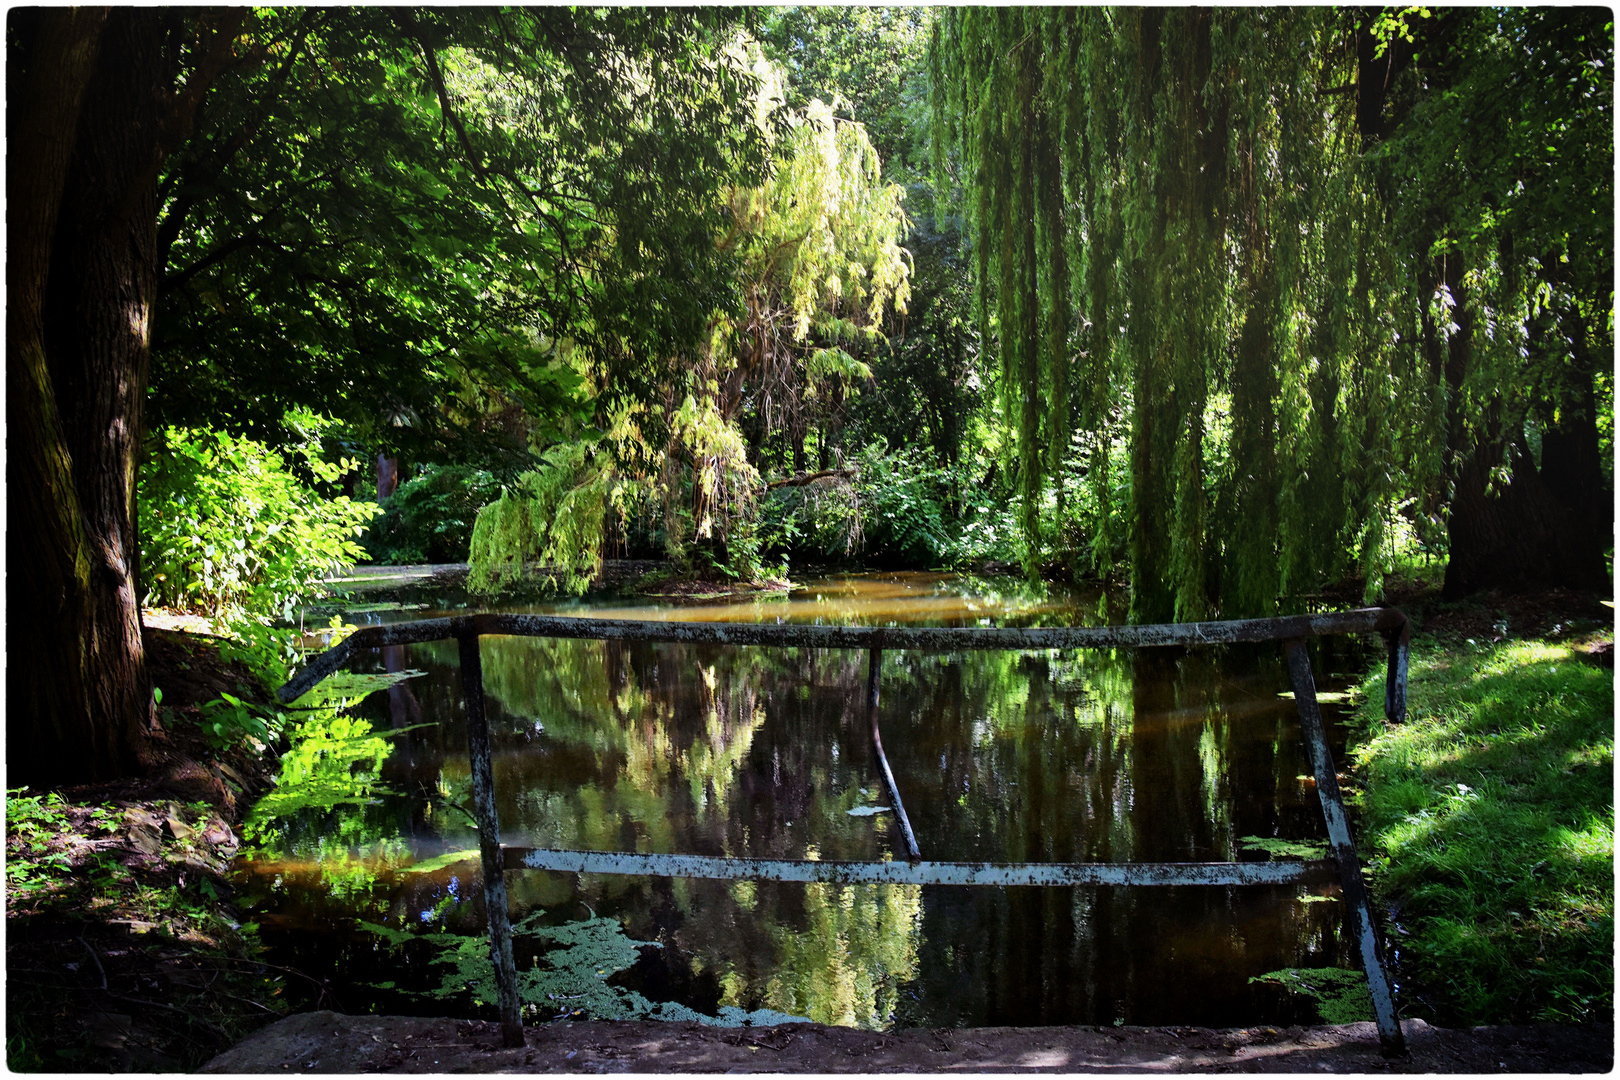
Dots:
pixel 1173 245
pixel 819 266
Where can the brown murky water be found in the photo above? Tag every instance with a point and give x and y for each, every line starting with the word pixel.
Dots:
pixel 1061 756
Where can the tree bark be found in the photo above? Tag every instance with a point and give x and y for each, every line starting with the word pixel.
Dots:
pixel 83 283
pixel 1521 537
pixel 1549 525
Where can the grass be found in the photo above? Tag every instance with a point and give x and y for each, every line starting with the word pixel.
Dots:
pixel 1489 819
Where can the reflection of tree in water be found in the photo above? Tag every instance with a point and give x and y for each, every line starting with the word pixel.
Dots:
pixel 1005 756
pixel 677 756
pixel 847 962
pixel 638 739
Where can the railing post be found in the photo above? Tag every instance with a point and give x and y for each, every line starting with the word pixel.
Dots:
pixel 873 670
pixel 1390 1037
pixel 489 841
pixel 1400 651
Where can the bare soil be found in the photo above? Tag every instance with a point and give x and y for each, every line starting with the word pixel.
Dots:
pixel 326 1042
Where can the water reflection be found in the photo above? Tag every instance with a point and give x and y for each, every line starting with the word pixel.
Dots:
pixel 1047 756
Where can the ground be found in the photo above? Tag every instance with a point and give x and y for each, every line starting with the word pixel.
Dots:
pixel 123 952
pixel 325 1042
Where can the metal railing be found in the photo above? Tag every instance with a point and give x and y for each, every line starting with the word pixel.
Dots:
pixel 1293 631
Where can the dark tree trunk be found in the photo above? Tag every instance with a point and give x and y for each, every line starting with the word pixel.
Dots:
pixel 1547 526
pixel 387 476
pixel 1544 527
pixel 1522 536
pixel 1571 461
pixel 49 572
pixel 80 700
pixel 93 112
pixel 797 440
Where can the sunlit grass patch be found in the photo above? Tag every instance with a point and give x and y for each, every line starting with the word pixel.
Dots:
pixel 1489 819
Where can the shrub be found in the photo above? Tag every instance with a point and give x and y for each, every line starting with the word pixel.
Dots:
pixel 227 528
pixel 902 508
pixel 430 517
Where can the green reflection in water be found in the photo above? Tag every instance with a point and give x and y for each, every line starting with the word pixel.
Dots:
pixel 1041 756
pixel 315 820
pixel 847 965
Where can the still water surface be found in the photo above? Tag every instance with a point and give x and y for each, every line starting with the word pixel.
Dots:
pixel 1062 756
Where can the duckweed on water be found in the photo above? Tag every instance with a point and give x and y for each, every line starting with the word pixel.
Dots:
pixel 1278 848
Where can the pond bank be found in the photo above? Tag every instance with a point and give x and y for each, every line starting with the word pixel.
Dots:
pixel 326 1042
pixel 124 950
pixel 1489 815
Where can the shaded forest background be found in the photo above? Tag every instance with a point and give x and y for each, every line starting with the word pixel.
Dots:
pixel 1225 306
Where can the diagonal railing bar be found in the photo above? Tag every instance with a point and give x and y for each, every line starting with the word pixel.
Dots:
pixel 1293 630
pixel 874 668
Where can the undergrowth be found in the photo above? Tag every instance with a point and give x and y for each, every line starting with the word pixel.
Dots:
pixel 122 952
pixel 1489 816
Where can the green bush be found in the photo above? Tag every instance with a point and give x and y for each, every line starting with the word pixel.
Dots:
pixel 893 513
pixel 430 517
pixel 228 528
pixel 903 508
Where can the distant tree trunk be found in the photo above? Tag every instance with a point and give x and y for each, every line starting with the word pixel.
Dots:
pixel 83 279
pixel 1519 537
pixel 387 476
pixel 796 434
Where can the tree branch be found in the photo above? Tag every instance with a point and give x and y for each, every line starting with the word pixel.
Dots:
pixel 804 479
pixel 413 29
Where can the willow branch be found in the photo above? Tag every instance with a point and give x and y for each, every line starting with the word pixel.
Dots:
pixel 804 479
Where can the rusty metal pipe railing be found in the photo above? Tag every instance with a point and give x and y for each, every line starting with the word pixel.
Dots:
pixel 1294 630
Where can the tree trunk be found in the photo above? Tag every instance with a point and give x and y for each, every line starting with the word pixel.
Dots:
pixel 1549 525
pixel 1545 527
pixel 83 280
pixel 387 476
pixel 1522 536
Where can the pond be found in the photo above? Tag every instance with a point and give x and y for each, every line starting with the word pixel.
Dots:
pixel 1056 756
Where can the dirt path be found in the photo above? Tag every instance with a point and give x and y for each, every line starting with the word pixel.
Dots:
pixel 326 1042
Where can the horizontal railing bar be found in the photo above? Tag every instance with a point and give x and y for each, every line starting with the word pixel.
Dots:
pixel 798 635
pixel 920 873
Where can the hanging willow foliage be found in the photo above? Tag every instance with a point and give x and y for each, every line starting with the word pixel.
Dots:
pixel 1226 300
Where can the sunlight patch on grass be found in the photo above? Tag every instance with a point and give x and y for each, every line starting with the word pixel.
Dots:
pixel 1490 821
